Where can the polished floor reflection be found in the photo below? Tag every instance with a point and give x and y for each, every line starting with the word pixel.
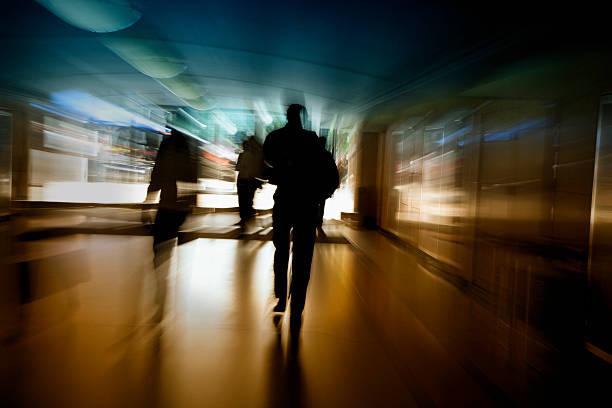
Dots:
pixel 86 336
pixel 383 326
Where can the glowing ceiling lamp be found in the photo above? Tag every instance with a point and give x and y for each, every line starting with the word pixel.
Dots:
pixel 99 16
pixel 152 58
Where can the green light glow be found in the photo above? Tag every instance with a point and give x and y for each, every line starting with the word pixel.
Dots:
pixel 152 58
pixel 99 16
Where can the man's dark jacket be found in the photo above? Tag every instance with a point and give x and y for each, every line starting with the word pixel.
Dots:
pixel 303 171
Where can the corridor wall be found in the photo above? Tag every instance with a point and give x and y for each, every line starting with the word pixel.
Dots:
pixel 498 193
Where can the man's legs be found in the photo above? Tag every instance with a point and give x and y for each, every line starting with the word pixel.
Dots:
pixel 280 237
pixel 304 234
pixel 242 188
pixel 165 230
pixel 249 195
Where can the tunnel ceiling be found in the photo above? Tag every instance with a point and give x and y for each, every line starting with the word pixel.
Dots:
pixel 336 56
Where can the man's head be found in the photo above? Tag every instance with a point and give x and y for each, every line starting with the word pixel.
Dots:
pixel 296 114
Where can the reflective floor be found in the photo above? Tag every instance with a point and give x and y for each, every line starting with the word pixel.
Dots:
pixel 381 328
pixel 86 338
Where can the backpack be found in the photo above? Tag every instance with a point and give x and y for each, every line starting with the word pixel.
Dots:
pixel 327 174
pixel 303 167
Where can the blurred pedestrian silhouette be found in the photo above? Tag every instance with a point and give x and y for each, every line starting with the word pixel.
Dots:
pixel 175 174
pixel 250 166
pixel 304 176
pixel 321 205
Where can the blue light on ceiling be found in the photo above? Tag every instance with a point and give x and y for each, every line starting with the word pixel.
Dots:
pixel 101 111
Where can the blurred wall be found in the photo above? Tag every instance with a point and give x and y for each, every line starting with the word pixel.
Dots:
pixel 498 193
pixel 599 317
pixel 6 119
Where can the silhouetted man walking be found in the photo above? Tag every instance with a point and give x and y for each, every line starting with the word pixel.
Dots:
pixel 321 205
pixel 250 169
pixel 176 174
pixel 304 176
